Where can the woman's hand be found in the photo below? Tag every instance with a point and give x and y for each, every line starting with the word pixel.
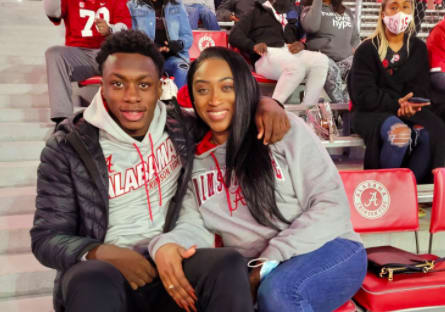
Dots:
pixel 168 260
pixel 409 109
pixel 271 121
pixel 254 279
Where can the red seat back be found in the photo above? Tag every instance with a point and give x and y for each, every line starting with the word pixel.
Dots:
pixel 438 212
pixel 382 200
pixel 207 38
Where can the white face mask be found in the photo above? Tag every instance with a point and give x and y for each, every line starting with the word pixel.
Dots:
pixel 397 23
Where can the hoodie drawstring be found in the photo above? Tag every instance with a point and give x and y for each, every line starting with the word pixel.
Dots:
pixel 147 193
pixel 220 176
pixel 156 169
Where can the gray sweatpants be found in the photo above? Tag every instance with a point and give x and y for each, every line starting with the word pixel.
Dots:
pixel 64 65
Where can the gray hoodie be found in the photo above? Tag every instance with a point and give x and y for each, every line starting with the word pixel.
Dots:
pixel 328 32
pixel 137 206
pixel 309 193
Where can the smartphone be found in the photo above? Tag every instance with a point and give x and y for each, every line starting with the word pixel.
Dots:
pixel 418 100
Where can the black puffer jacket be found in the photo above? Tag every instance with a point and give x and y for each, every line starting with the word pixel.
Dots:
pixel 72 200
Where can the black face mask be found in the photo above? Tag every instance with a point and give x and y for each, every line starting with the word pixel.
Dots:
pixel 281 6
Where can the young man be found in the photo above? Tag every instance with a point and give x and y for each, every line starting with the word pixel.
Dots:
pixel 87 23
pixel 107 180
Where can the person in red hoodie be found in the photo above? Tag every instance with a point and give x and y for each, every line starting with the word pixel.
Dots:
pixel 436 53
pixel 87 23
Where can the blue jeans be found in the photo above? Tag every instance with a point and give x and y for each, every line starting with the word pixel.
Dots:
pixel 198 12
pixel 418 149
pixel 320 281
pixel 178 68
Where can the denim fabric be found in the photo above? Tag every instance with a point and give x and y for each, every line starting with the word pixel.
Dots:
pixel 177 68
pixel 198 12
pixel 176 23
pixel 418 149
pixel 438 81
pixel 320 281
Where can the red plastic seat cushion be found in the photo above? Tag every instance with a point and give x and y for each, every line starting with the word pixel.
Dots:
pixel 262 79
pixel 91 81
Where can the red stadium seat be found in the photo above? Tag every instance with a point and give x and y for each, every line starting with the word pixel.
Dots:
pixel 386 201
pixel 438 211
pixel 207 38
pixel 91 81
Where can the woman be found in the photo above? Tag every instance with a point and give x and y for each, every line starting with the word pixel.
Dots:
pixel 331 29
pixel 283 205
pixel 166 23
pixel 388 70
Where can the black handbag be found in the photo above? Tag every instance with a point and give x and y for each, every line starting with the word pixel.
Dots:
pixel 386 261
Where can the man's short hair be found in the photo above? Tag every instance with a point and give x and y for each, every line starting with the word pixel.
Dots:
pixel 130 41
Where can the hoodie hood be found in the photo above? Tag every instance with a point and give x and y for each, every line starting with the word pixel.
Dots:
pixel 97 115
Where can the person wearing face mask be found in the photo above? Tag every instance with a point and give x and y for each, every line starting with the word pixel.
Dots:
pixel 273 41
pixel 331 29
pixel 390 89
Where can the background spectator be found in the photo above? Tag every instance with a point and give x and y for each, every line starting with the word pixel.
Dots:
pixel 331 29
pixel 87 23
pixel 166 23
pixel 436 53
pixel 387 71
pixel 280 55
pixel 201 10
pixel 232 10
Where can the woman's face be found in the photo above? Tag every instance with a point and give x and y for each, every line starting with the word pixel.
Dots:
pixel 214 96
pixel 395 6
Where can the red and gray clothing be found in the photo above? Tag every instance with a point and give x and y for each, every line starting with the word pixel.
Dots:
pixel 309 193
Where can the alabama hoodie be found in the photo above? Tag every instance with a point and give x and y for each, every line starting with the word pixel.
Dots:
pixel 309 193
pixel 137 202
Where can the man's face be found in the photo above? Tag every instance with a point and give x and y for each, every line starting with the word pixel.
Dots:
pixel 131 88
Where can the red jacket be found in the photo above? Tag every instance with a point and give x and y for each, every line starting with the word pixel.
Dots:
pixel 436 46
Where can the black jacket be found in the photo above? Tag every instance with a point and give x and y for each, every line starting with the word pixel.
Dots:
pixel 375 93
pixel 260 25
pixel 71 215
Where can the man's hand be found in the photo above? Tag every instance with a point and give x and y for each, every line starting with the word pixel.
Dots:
pixel 234 18
pixel 408 109
pixel 295 47
pixel 164 48
pixel 271 121
pixel 134 267
pixel 102 27
pixel 254 279
pixel 168 260
pixel 260 48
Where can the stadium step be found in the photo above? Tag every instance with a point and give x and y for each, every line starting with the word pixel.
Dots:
pixel 19 73
pixel 14 231
pixel 24 114
pixel 22 275
pixel 25 131
pixel 17 200
pixel 21 150
pixel 21 173
pixel 24 100
pixel 27 303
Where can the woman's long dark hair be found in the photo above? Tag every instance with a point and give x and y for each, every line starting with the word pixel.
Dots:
pixel 246 156
pixel 337 5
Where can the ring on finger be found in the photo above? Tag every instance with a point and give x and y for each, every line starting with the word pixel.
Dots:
pixel 171 286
